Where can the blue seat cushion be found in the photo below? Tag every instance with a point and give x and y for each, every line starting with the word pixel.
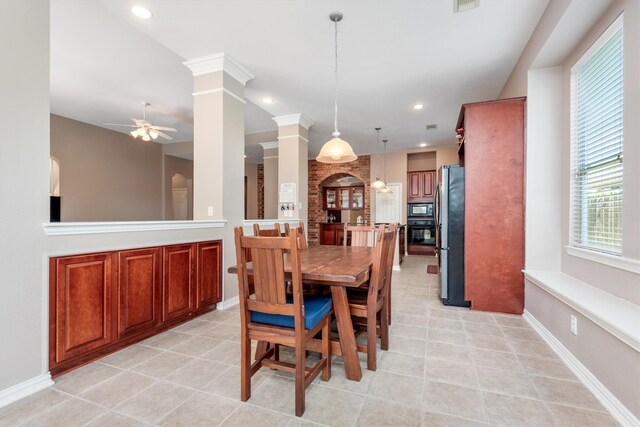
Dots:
pixel 315 308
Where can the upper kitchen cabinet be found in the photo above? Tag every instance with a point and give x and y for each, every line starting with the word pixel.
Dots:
pixel 421 186
pixel 343 198
pixel 493 147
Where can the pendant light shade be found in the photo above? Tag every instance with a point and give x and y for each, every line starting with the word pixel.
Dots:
pixel 336 150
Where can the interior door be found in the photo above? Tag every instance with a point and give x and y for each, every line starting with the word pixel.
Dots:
pixel 389 205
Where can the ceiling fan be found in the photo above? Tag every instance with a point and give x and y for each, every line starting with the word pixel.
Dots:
pixel 144 129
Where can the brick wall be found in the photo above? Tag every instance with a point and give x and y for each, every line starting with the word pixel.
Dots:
pixel 260 191
pixel 318 174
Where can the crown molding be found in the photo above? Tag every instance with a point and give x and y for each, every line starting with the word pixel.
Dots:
pixel 220 62
pixel 293 119
pixel 293 136
pixel 220 89
pixel 269 145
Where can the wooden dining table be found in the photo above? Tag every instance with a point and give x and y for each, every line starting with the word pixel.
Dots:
pixel 339 267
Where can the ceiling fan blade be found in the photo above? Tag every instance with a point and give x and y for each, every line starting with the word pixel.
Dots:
pixel 163 128
pixel 164 135
pixel 139 122
pixel 119 124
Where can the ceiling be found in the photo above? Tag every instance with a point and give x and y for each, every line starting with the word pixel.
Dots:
pixel 392 55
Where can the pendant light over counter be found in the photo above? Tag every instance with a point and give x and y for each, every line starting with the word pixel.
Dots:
pixel 385 189
pixel 336 150
pixel 378 184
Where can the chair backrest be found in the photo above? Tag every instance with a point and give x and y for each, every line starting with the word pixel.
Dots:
pixel 302 237
pixel 360 234
pixel 391 252
pixel 268 260
pixel 380 269
pixel 267 232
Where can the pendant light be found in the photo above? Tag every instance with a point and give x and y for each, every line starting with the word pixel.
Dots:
pixel 385 189
pixel 378 184
pixel 336 150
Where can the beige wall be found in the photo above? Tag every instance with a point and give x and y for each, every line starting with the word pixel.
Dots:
pixel 446 156
pixel 425 161
pixel 106 175
pixel 251 172
pixel 172 166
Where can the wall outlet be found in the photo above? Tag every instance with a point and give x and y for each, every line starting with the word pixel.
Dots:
pixel 574 325
pixel 210 211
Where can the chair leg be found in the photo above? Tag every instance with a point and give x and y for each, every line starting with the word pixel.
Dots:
pixel 261 348
pixel 384 329
pixel 300 377
pixel 371 341
pixel 326 349
pixel 245 368
pixel 387 303
pixel 276 352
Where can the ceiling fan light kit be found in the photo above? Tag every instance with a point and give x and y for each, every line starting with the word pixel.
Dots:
pixel 336 150
pixel 144 129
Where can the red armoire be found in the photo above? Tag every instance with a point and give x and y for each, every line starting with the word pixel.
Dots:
pixel 492 152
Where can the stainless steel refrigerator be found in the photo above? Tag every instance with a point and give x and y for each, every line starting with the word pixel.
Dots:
pixel 450 235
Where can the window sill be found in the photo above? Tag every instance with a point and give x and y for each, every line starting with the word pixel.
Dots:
pixel 75 228
pixel 618 262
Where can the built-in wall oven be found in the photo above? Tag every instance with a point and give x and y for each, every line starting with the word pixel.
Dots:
pixel 421 231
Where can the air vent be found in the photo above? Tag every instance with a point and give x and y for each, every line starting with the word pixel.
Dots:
pixel 432 126
pixel 464 5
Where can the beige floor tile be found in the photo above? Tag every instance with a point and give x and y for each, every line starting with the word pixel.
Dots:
pixel 31 406
pixel 197 373
pixel 162 365
pixel 414 347
pixel 411 309
pixel 450 372
pixel 383 413
pixel 511 320
pixel 228 383
pixel 566 392
pixel 446 324
pixel 332 407
pixel 246 415
pixel 546 367
pixel 130 356
pixel 339 380
pixel 532 348
pixel 409 319
pixel 442 335
pixel 155 402
pixel 400 388
pixel 222 331
pixel 520 333
pixel 80 380
pixel 166 340
pixel 496 359
pixel 118 389
pixel 197 345
pixel 299 422
pixel 435 313
pixel 409 331
pixel 194 327
pixel 440 420
pixel 113 419
pixel 477 317
pixel 402 364
pixel 567 416
pixel 513 383
pixel 446 351
pixel 227 352
pixel 454 400
pixel 482 328
pixel 72 412
pixel 277 394
pixel 201 409
pixel 510 411
pixel 489 342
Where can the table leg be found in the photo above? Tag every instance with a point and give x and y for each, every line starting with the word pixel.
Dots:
pixel 347 335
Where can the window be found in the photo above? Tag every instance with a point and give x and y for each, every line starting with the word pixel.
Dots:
pixel 597 145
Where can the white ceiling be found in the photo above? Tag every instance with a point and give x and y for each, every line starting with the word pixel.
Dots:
pixel 392 54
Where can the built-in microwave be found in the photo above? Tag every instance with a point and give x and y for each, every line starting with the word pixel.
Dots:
pixel 422 210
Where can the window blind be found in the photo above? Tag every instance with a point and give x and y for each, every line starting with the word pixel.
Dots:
pixel 597 145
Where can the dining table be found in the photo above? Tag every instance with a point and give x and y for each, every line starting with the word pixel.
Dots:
pixel 339 267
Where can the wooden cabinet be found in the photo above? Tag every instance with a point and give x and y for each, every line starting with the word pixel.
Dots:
pixel 343 198
pixel 83 290
pixel 100 303
pixel 138 290
pixel 420 186
pixel 494 188
pixel 331 234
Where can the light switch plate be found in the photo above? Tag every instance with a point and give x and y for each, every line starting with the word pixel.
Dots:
pixel 210 211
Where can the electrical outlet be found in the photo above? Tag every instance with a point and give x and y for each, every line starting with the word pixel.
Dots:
pixel 210 211
pixel 574 325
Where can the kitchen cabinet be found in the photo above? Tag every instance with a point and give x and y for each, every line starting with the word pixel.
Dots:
pixel 421 186
pixel 494 250
pixel 343 198
pixel 331 234
pixel 102 302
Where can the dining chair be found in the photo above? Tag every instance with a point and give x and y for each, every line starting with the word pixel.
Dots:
pixel 302 237
pixel 390 256
pixel 267 232
pixel 360 235
pixel 271 316
pixel 370 306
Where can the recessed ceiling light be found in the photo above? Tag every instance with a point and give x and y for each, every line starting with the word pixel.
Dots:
pixel 245 156
pixel 267 100
pixel 141 12
pixel 423 144
pixel 418 107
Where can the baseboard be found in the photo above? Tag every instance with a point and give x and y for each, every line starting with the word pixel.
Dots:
pixel 608 400
pixel 396 268
pixel 223 305
pixel 25 389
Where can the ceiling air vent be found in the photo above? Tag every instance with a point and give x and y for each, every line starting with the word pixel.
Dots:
pixel 464 5
pixel 432 126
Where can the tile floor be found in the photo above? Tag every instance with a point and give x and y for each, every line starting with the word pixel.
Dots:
pixel 445 367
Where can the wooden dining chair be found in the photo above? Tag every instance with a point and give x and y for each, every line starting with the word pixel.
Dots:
pixel 361 235
pixel 302 237
pixel 370 306
pixel 267 232
pixel 393 227
pixel 271 316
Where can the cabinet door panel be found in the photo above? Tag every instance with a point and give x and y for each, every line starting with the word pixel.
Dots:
pixel 138 290
pixel 83 295
pixel 327 236
pixel 178 275
pixel 427 184
pixel 209 280
pixel 415 190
